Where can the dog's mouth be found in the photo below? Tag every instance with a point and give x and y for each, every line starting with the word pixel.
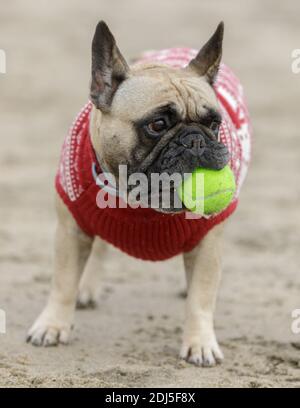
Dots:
pixel 192 147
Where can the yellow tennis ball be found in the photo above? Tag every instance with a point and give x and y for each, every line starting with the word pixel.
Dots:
pixel 208 191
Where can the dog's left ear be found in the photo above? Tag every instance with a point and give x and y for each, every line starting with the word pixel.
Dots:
pixel 209 57
pixel 109 68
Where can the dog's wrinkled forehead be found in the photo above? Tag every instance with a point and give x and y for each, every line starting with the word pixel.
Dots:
pixel 152 86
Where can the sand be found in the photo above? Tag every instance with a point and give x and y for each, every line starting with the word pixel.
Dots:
pixel 133 337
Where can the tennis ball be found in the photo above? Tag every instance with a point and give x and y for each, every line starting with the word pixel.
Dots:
pixel 208 191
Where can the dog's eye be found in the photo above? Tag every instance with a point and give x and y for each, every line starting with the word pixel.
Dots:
pixel 214 127
pixel 158 126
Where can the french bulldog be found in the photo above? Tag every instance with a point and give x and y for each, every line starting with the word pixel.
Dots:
pixel 152 118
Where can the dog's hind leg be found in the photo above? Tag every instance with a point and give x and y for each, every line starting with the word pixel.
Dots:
pixel 72 249
pixel 89 288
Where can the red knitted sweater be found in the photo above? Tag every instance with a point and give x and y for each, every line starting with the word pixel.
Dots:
pixel 143 232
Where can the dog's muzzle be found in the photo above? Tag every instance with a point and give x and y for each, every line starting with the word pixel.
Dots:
pixel 193 147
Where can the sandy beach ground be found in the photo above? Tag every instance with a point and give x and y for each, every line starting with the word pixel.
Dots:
pixel 133 337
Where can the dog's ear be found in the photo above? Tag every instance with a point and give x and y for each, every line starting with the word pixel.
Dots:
pixel 209 57
pixel 109 68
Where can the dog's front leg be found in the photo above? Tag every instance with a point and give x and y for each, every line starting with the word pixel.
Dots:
pixel 203 271
pixel 89 287
pixel 72 248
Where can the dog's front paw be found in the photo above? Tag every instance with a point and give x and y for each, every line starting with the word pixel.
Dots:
pixel 201 353
pixel 49 330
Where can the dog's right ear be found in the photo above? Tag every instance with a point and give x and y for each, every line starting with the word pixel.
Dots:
pixel 109 68
pixel 207 62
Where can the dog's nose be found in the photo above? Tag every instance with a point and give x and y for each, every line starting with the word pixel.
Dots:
pixel 195 144
pixel 198 146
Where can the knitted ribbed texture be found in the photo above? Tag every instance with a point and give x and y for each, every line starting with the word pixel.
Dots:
pixel 143 232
